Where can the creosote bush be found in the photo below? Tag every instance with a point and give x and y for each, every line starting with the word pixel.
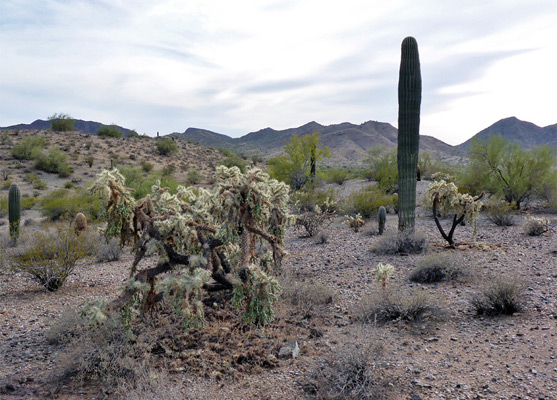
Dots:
pixel 50 255
pixel 109 131
pixel 436 268
pixel 499 211
pixel 367 201
pixel 166 146
pixel 501 298
pixel 109 250
pixel 29 147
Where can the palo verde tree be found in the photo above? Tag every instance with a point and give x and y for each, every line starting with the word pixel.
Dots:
pixel 409 101
pixel 501 167
pixel 228 238
pixel 298 165
pixel 61 122
pixel 445 198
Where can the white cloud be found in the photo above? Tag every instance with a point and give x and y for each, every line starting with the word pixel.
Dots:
pixel 236 67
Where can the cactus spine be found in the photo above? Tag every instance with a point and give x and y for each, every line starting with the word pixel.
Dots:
pixel 381 218
pixel 409 100
pixel 14 211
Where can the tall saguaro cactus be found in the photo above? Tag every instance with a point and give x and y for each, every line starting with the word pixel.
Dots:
pixel 14 211
pixel 409 100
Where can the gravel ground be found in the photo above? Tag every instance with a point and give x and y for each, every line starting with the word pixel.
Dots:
pixel 454 355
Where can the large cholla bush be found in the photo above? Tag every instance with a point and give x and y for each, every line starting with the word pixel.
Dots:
pixel 227 238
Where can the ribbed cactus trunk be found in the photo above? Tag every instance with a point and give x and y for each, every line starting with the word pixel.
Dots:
pixel 381 218
pixel 14 211
pixel 409 100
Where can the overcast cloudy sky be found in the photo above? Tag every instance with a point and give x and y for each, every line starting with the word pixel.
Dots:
pixel 238 66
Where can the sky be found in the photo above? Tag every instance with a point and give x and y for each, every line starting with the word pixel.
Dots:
pixel 235 67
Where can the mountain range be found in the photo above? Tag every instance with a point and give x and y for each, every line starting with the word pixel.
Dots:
pixel 348 142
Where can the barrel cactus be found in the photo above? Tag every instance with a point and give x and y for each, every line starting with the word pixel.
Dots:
pixel 80 223
pixel 381 218
pixel 409 100
pixel 14 211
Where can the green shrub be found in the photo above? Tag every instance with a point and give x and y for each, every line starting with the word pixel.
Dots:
pixel 366 201
pixel 500 298
pixel 383 168
pixel 194 177
pixel 63 203
pixel 141 183
pixel 29 147
pixel 314 195
pixel 166 146
pixel 500 212
pixel 146 166
pixel 50 255
pixel 55 161
pixel 61 122
pixel 109 131
pixel 436 268
pixel 234 160
pixel 336 175
pixel 168 170
pixel 27 203
pixel 90 160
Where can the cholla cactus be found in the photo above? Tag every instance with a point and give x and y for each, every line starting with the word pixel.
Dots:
pixel 213 239
pixel 382 273
pixel 444 197
pixel 354 222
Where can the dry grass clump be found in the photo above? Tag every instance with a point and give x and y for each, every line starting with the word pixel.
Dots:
pixel 400 243
pixel 305 296
pixel 436 268
pixel 355 372
pixel 401 305
pixel 500 298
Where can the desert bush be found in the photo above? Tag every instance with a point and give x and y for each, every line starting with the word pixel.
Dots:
pixel 61 122
pixel 500 212
pixel 146 166
pixel 234 160
pixel 194 177
pixel 50 256
pixel 109 250
pixel 366 201
pixel 90 160
pixel 337 175
pixel 536 226
pixel 312 222
pixel 29 147
pixel 383 168
pixel 315 195
pixel 354 372
pixel 63 203
pixel 322 237
pixel 502 297
pixel 27 203
pixel 109 131
pixel 305 296
pixel 436 268
pixel 402 305
pixel 168 170
pixel 55 161
pixel 166 146
pixel 35 180
pixel 400 243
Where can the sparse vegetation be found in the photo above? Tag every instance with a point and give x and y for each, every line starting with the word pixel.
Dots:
pixel 436 267
pixel 366 201
pixel 400 243
pixel 500 212
pixel 401 305
pixel 65 204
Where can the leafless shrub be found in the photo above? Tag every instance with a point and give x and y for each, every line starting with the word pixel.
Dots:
pixel 305 295
pixel 353 372
pixel 109 251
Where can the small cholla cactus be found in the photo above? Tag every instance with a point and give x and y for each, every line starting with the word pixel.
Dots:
pixel 80 223
pixel 381 218
pixel 382 273
pixel 354 222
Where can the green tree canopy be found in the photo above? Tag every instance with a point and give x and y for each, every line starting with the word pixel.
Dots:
pixel 505 168
pixel 61 122
pixel 295 166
